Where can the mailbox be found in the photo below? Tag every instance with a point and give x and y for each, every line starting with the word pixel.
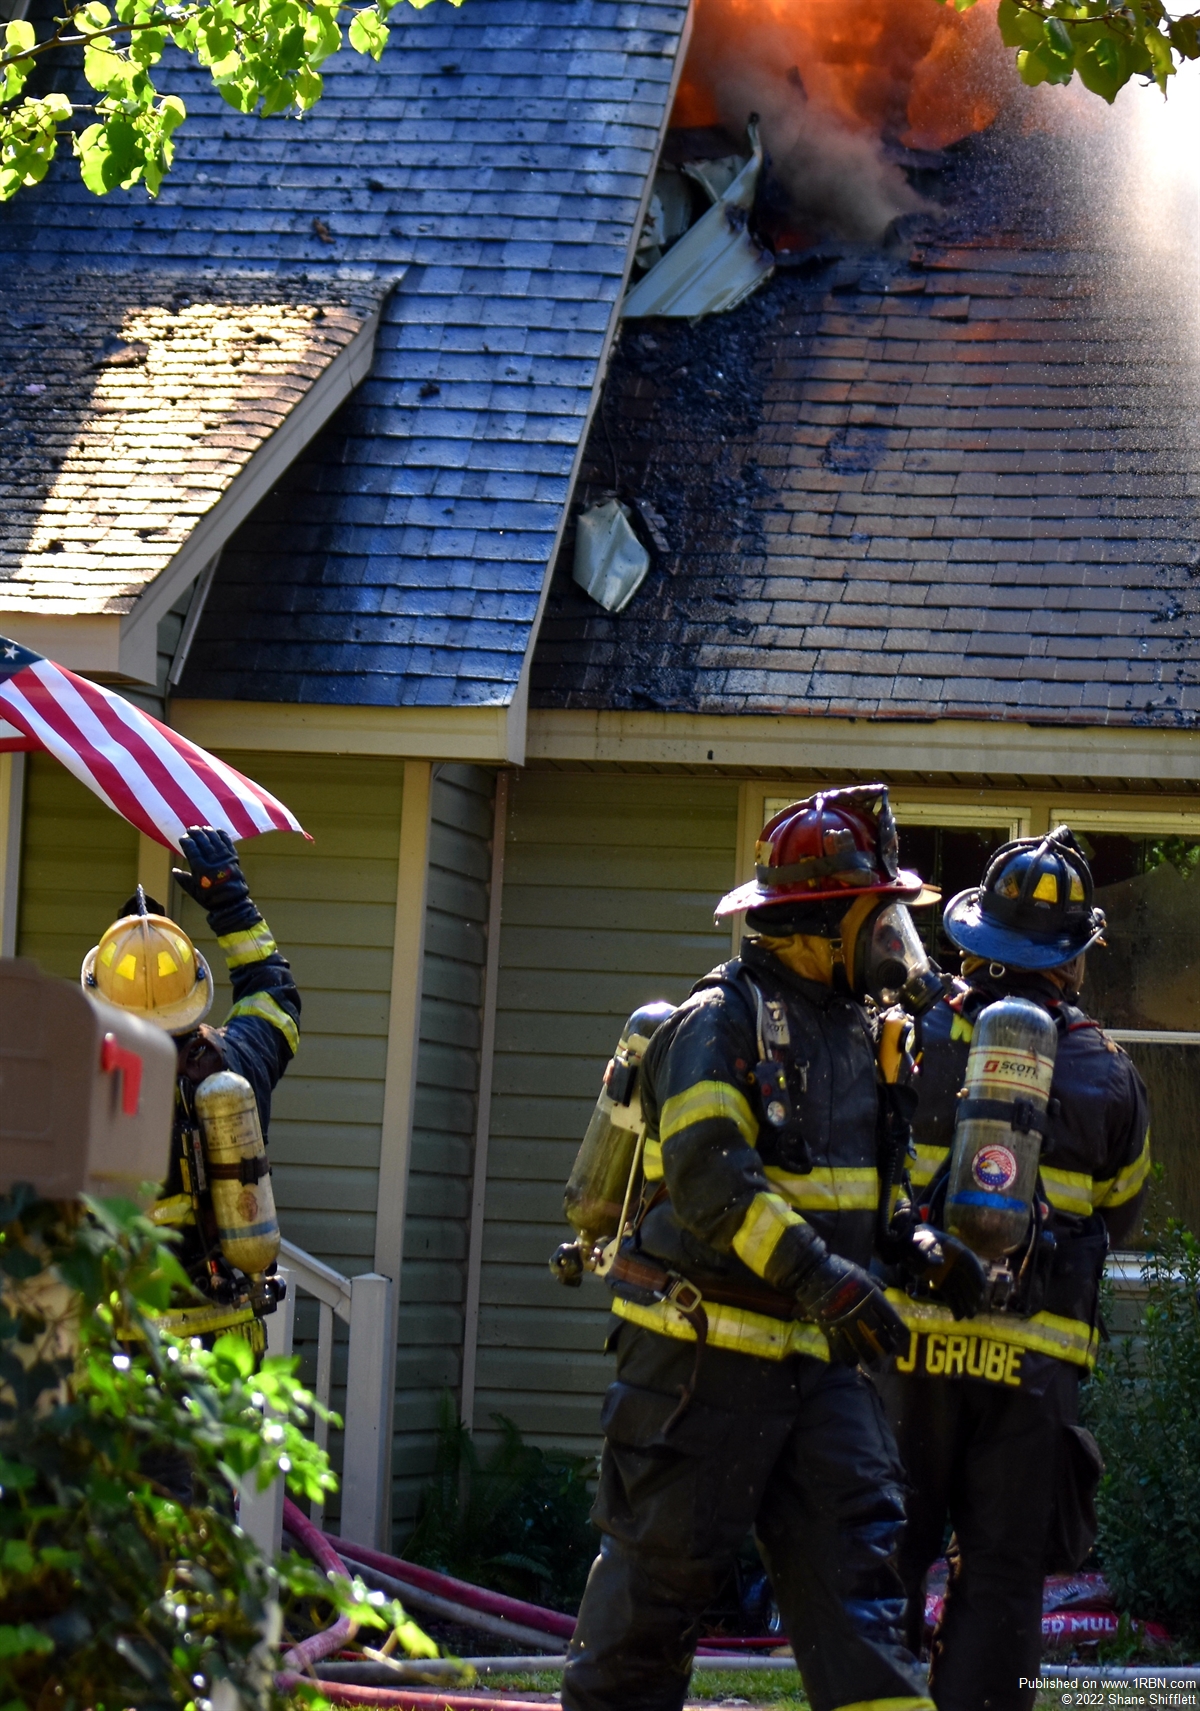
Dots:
pixel 86 1090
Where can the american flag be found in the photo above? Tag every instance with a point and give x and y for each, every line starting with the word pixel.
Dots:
pixel 153 777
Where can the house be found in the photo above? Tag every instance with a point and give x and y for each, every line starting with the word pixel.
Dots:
pixel 314 432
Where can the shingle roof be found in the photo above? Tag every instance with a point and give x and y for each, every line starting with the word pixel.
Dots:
pixel 501 151
pixel 959 481
pixel 129 403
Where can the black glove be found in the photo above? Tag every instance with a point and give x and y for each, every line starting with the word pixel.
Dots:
pixel 216 881
pixel 847 1303
pixel 946 1266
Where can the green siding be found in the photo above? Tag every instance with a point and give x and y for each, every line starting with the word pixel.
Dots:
pixel 610 884
pixel 78 865
pixel 433 1277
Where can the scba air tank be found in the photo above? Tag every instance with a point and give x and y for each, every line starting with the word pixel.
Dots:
pixel 238 1173
pixel 596 1189
pixel 1000 1126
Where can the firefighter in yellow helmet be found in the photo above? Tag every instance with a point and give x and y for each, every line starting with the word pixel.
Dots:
pixel 147 964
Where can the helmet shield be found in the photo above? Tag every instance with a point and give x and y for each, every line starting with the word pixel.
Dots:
pixel 1034 908
pixel 830 846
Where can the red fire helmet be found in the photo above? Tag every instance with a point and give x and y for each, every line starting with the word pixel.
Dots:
pixel 840 843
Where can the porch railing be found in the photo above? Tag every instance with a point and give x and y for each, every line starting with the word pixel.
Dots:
pixel 364 1305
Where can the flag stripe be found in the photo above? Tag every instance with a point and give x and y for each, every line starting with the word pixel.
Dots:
pixel 237 795
pixel 48 738
pixel 136 795
pixel 155 797
pixel 165 769
pixel 157 780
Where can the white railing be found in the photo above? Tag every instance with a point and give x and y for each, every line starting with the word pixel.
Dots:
pixel 364 1304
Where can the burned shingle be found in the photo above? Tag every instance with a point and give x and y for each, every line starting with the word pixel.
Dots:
pixel 976 500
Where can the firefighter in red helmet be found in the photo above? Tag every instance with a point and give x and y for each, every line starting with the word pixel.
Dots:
pixel 743 1301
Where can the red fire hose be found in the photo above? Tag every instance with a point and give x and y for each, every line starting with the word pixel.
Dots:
pixel 474 1597
pixel 331 1639
pixel 413 1699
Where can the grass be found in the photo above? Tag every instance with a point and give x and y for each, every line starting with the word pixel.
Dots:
pixel 755 1687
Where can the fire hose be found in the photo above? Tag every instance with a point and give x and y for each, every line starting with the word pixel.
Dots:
pixel 461 1592
pixel 332 1639
pixel 471 1606
pixel 302 1657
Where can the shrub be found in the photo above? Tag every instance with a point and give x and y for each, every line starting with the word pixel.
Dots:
pixel 1144 1406
pixel 119 1586
pixel 516 1520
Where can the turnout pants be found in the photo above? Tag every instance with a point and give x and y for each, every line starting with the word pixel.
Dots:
pixel 799 1451
pixel 991 1461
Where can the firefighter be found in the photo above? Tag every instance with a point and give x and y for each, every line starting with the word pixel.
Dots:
pixel 985 1410
pixel 743 1304
pixel 147 964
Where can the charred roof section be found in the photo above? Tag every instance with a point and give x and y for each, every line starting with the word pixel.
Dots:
pixel 954 476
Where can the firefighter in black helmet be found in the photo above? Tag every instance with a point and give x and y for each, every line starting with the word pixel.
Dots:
pixel 985 1409
pixel 744 1303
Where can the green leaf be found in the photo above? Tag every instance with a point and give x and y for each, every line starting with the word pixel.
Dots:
pixel 1103 66
pixel 309 85
pixel 19 36
pixel 1185 36
pixel 234 1352
pixel 369 33
pixel 17 1556
pixel 1019 27
pixel 23 1640
pixel 1159 48
pixel 1058 39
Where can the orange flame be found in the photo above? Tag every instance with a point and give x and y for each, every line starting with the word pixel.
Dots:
pixel 911 70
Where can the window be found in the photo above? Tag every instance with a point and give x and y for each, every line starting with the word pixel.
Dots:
pixel 1145 984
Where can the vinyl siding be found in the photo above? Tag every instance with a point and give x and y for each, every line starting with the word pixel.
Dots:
pixel 433 1276
pixel 609 891
pixel 78 865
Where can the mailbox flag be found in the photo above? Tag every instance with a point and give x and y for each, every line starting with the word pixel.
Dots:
pixel 152 777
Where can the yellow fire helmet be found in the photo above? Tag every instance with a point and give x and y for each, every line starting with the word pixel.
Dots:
pixel 148 965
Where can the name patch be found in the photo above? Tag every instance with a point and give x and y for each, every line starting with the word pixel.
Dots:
pixel 955 1354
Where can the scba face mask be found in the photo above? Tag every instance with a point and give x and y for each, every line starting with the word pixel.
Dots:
pixel 892 965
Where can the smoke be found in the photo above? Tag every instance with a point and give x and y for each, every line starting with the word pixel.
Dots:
pixel 836 82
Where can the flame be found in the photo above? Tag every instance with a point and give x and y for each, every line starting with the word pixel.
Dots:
pixel 909 69
pixel 834 79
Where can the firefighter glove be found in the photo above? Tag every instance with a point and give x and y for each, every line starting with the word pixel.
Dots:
pixel 216 881
pixel 945 1267
pixel 858 1320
